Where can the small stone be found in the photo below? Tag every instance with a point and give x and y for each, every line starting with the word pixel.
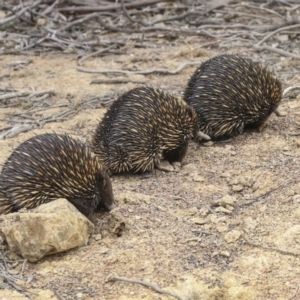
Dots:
pixel 103 250
pixel 225 253
pixel 198 220
pixel 232 236
pixel 295 198
pixel 225 175
pixel 237 188
pixel 297 143
pixel 79 295
pixel 223 210
pixel 227 200
pixel 203 211
pixel 229 207
pixel 97 237
pixel 208 144
pixel 250 224
pixel 221 228
pixel 198 178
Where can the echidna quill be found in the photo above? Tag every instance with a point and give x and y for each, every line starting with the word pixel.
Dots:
pixel 143 126
pixel 51 166
pixel 230 93
pixel 5 206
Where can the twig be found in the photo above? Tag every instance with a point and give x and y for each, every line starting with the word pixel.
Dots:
pixel 285 252
pixel 80 61
pixel 144 283
pixel 130 18
pixel 143 72
pixel 25 93
pixel 19 13
pixel 276 31
pixel 295 293
pixel 290 88
pixel 109 7
pixel 292 133
pixel 15 130
pixel 279 51
pixel 116 80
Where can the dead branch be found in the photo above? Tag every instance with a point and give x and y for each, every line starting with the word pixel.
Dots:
pixel 279 51
pixel 19 13
pixel 142 72
pixel 108 7
pixel 30 94
pixel 144 283
pixel 275 32
pixel 15 130
pixel 80 61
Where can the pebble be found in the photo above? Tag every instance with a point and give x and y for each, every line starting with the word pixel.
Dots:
pixel 198 220
pixel 198 178
pixel 237 188
pixel 208 144
pixel 232 236
pixel 223 210
pixel 97 237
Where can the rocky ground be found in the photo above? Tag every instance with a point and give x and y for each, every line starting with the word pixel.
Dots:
pixel 226 226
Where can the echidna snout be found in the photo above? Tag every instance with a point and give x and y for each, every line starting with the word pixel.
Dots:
pixel 105 193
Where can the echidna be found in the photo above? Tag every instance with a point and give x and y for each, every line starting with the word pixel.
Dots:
pixel 5 206
pixel 143 126
pixel 230 93
pixel 51 166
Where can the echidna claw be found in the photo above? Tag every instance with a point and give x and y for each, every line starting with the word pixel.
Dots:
pixel 202 135
pixel 278 113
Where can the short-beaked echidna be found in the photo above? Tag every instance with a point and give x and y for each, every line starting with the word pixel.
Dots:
pixel 230 92
pixel 51 166
pixel 5 206
pixel 143 126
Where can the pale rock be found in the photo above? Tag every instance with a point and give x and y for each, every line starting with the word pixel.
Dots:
pixel 229 207
pixel 225 201
pixel 53 227
pixel 250 224
pixel 232 236
pixel 203 211
pixel 208 144
pixel 225 253
pixel 198 220
pixel 132 198
pixel 223 210
pixel 237 188
pixel 198 178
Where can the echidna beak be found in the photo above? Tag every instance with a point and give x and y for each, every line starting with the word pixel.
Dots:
pixel 201 135
pixel 111 207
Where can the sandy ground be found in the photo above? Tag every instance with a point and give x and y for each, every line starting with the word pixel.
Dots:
pixel 168 228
